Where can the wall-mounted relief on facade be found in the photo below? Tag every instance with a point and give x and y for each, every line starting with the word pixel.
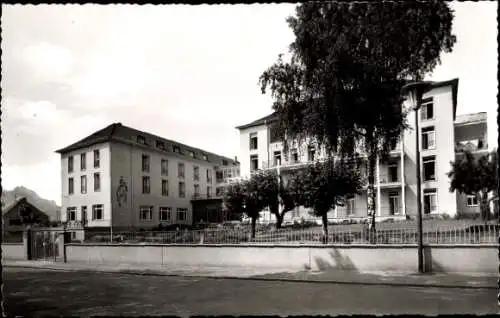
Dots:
pixel 121 192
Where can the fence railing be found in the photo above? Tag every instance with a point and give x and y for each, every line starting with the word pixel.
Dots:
pixel 476 234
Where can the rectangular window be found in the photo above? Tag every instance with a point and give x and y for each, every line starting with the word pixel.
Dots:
pixel 295 156
pixel 196 190
pixel 427 110
pixel 141 140
pixel 350 209
pixel 182 190
pixel 428 138
pixel 97 182
pixel 429 168
pixel 84 214
pixel 254 162
pixel 164 167
pixel 180 170
pixel 164 188
pixel 145 163
pixel 430 201
pixel 97 158
pixel 393 203
pixel 176 149
pixel 83 184
pixel 146 213
pixel 71 213
pixel 160 145
pixel 274 135
pixel 181 214
pixel 253 141
pixel 146 186
pixel 209 192
pixel 165 213
pixel 224 162
pixel 71 186
pixel 97 212
pixel 209 176
pixel 70 164
pixel 191 154
pixel 83 161
pixel 196 173
pixel 393 172
pixel 311 154
pixel 219 191
pixel 277 158
pixel 472 201
pixel 205 157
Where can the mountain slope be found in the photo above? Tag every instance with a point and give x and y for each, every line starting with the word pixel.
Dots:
pixel 48 206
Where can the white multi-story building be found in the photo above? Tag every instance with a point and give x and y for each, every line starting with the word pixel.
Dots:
pixel 442 135
pixel 124 178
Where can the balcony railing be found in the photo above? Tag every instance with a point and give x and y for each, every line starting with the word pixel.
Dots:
pixel 75 224
pixel 206 196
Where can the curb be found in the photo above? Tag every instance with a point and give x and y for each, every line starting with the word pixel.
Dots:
pixel 254 278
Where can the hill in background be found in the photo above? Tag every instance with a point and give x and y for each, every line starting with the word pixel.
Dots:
pixel 48 206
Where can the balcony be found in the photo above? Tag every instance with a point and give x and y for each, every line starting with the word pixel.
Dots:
pixel 75 224
pixel 386 183
pixel 199 197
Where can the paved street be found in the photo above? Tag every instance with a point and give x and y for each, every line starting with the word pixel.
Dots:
pixel 43 292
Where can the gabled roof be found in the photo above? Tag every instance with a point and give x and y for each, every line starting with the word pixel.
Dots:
pixel 12 205
pixel 261 121
pixel 120 133
pixel 471 118
pixel 431 85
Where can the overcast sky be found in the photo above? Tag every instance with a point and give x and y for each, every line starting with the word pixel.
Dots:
pixel 187 73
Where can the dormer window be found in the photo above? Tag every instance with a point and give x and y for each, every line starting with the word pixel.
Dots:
pixel 141 140
pixel 177 149
pixel 191 154
pixel 205 157
pixel 224 162
pixel 160 145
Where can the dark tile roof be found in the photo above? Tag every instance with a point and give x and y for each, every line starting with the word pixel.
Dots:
pixel 13 204
pixel 261 121
pixel 470 118
pixel 431 85
pixel 120 133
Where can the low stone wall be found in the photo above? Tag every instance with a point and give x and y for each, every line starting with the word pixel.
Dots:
pixel 13 251
pixel 401 258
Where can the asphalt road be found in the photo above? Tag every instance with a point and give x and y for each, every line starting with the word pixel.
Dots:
pixel 31 292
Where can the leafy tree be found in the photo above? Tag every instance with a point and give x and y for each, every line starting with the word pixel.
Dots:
pixel 324 185
pixel 245 196
pixel 274 192
pixel 476 175
pixel 341 88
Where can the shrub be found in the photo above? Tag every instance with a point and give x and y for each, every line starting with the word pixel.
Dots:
pixel 466 216
pixel 390 220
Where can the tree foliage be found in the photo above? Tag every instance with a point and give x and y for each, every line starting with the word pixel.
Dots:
pixel 324 185
pixel 476 175
pixel 348 64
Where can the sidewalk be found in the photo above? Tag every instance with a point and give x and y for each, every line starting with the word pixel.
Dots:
pixel 331 276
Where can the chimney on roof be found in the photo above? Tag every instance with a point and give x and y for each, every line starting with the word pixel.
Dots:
pixel 235 158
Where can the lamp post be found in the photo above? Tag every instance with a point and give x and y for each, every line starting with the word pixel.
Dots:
pixel 414 92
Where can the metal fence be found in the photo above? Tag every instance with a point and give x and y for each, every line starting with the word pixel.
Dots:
pixel 476 234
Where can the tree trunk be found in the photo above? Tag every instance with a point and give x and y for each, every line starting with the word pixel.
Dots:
pixel 254 221
pixel 372 161
pixel 279 220
pixel 484 206
pixel 324 218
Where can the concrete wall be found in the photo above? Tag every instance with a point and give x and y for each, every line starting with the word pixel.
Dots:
pixel 13 251
pixel 450 259
pixel 77 199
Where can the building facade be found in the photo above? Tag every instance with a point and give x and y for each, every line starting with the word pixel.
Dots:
pixel 442 137
pixel 123 178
